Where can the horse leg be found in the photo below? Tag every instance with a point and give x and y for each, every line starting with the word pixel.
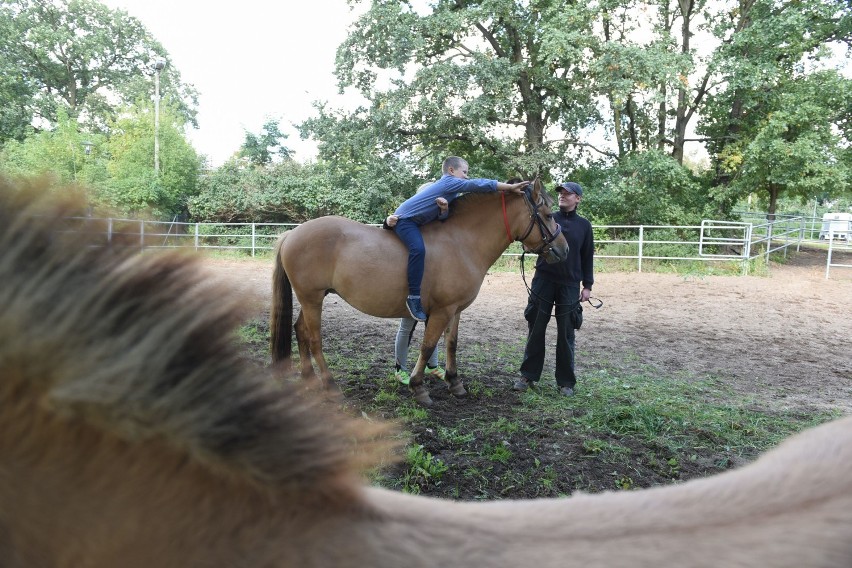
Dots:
pixel 311 335
pixel 451 336
pixel 434 328
pixel 417 385
pixel 302 335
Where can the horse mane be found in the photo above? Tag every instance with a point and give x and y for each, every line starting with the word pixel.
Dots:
pixel 468 200
pixel 143 347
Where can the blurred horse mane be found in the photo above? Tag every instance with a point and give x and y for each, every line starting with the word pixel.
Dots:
pixel 142 347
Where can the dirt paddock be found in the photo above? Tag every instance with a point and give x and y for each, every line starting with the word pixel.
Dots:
pixel 782 342
pixel 785 338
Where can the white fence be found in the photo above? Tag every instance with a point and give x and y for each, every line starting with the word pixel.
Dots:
pixel 711 241
pixel 840 246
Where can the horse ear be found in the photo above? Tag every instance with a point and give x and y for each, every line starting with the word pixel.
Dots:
pixel 537 187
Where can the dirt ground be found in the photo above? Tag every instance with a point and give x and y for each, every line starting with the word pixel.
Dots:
pixel 784 339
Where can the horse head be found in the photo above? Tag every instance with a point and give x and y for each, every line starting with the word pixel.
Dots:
pixel 549 242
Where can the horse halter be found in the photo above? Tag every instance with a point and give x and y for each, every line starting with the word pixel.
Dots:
pixel 535 219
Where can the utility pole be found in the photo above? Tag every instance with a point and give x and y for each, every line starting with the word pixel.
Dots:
pixel 158 66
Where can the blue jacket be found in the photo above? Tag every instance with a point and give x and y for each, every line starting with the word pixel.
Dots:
pixel 421 207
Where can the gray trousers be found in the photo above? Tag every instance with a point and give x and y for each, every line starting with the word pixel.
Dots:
pixel 403 341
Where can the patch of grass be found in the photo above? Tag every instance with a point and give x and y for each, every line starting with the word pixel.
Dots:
pixel 548 477
pixel 423 469
pixel 497 453
pixel 385 396
pixel 255 335
pixel 506 426
pixel 411 412
pixel 671 414
pixel 454 437
pixel 478 389
pixel 595 446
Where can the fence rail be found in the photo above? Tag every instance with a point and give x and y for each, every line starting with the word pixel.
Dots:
pixel 711 241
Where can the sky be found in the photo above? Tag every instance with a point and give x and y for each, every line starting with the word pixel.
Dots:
pixel 249 60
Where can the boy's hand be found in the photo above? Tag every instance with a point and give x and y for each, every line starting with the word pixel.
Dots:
pixel 442 204
pixel 391 221
pixel 513 187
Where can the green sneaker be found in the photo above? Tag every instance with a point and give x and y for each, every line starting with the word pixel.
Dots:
pixel 436 373
pixel 402 377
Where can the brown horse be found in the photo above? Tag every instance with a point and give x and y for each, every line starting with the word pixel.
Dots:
pixel 366 266
pixel 133 434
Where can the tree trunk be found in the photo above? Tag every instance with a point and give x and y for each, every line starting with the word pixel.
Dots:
pixel 686 7
pixel 735 115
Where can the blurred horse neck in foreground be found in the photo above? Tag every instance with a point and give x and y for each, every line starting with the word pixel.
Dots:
pixel 367 267
pixel 133 434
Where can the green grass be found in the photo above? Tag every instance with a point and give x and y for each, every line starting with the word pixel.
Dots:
pixel 668 412
pixel 423 469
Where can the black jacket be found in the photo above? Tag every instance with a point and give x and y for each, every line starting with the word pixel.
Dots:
pixel 581 250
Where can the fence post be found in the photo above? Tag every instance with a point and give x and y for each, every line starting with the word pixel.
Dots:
pixel 768 240
pixel 830 244
pixel 641 243
pixel 801 234
pixel 109 231
pixel 141 235
pixel 252 239
pixel 746 254
pixel 196 236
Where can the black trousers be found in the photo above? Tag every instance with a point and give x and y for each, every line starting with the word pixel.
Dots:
pixel 545 295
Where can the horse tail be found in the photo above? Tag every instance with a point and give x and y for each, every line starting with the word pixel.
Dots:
pixel 281 316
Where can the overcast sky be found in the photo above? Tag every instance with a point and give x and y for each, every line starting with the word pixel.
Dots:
pixel 249 60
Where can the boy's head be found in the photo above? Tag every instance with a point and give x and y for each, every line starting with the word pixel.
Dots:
pixel 455 166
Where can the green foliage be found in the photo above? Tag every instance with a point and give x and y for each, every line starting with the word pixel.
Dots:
pixel 287 192
pixel 519 86
pixel 260 149
pixel 423 469
pixel 80 56
pixel 118 171
pixel 290 192
pixel 483 77
pixel 780 126
pixel 133 185
pixel 648 188
pixel 59 154
pixel 797 149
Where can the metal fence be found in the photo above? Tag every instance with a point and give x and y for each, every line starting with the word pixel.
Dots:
pixel 711 241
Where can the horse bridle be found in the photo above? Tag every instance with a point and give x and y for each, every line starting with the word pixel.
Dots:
pixel 535 219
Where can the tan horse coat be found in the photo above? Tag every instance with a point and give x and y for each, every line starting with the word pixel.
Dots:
pixel 133 434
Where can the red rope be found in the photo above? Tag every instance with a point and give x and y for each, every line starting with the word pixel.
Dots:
pixel 506 217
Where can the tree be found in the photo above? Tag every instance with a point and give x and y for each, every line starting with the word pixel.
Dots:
pixel 796 149
pixel 771 96
pixel 644 188
pixel 133 186
pixel 504 78
pixel 260 149
pixel 290 192
pixel 78 55
pixel 60 153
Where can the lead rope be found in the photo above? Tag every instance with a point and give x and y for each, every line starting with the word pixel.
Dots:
pixel 539 299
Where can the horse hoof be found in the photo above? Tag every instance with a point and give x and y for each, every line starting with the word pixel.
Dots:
pixel 421 395
pixel 457 388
